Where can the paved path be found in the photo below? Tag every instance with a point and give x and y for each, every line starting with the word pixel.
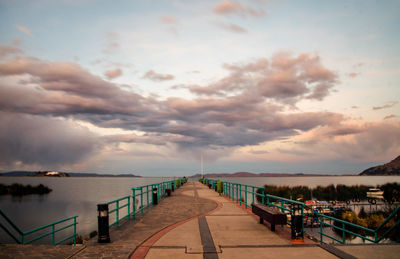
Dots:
pixel 195 222
pixel 234 233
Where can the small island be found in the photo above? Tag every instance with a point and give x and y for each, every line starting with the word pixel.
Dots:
pixel 17 189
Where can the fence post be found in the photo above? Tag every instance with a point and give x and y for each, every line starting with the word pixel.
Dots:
pixel 252 193
pixel 343 234
pixel 52 235
pixel 74 231
pixel 129 207
pixel 245 196
pixel 117 213
pixel 321 223
pixel 263 197
pixel 302 221
pixel 141 199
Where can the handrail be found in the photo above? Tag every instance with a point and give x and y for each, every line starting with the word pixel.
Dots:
pixel 374 232
pixel 235 191
pixel 10 222
pixel 117 208
pixel 52 232
pixel 130 201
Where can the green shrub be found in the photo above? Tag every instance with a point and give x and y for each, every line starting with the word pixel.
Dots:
pixel 220 187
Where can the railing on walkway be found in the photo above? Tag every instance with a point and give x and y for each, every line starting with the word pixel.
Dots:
pixel 129 206
pixel 242 193
pixel 350 228
pixel 52 227
pixel 116 207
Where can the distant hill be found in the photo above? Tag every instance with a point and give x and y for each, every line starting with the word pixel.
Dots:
pixel 247 174
pixel 42 174
pixel 391 168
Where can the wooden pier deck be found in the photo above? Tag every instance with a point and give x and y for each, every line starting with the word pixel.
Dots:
pixel 196 222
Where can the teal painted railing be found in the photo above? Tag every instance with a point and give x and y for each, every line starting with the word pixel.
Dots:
pixel 116 207
pixel 346 227
pixel 242 193
pixel 125 207
pixel 22 236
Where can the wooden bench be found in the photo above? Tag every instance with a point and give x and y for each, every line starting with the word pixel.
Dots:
pixel 273 215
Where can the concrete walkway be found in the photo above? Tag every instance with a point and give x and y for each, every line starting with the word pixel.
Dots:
pixel 196 222
pixel 230 231
pixel 234 234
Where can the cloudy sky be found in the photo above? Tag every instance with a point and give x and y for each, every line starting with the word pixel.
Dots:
pixel 146 87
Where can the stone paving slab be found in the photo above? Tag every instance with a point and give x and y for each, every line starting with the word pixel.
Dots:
pixel 38 251
pixel 157 253
pixel 187 235
pixel 241 230
pixel 372 251
pixel 275 252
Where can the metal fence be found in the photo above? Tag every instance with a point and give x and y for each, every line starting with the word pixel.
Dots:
pixel 51 229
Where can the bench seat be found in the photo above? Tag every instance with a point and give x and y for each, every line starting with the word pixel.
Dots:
pixel 273 215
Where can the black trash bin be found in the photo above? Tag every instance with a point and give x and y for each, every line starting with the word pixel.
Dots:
pixel 296 227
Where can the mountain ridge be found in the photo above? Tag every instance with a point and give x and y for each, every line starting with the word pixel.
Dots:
pixel 391 168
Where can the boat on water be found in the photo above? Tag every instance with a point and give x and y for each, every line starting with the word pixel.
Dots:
pixel 375 193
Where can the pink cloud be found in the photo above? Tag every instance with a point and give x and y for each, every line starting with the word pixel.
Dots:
pixel 114 73
pixel 284 77
pixel 151 75
pixel 232 7
pixel 386 106
pixel 232 27
pixel 24 29
pixel 168 19
pixel 8 51
pixel 353 74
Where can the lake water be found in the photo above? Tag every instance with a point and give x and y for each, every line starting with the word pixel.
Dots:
pixel 79 195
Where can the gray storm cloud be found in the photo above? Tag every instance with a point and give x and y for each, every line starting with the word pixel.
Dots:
pixel 32 139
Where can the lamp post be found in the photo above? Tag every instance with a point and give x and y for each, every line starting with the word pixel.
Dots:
pixel 155 199
pixel 103 226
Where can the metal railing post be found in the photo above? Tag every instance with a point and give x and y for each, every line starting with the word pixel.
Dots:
pixel 343 234
pixel 74 231
pixel 141 199
pixel 263 197
pixel 52 235
pixel 245 196
pixel 117 213
pixel 321 223
pixel 302 221
pixel 253 194
pixel 129 208
pixel 147 196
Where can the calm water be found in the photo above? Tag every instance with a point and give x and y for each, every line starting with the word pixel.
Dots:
pixel 70 196
pixel 314 181
pixel 79 196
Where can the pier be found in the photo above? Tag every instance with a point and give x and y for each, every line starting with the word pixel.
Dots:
pixel 197 222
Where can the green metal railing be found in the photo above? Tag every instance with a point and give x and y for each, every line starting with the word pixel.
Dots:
pixel 21 239
pixel 145 193
pixel 117 208
pixel 242 193
pixel 345 227
pixel 245 194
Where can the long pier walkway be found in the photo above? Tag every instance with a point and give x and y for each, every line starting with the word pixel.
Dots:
pixel 196 222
